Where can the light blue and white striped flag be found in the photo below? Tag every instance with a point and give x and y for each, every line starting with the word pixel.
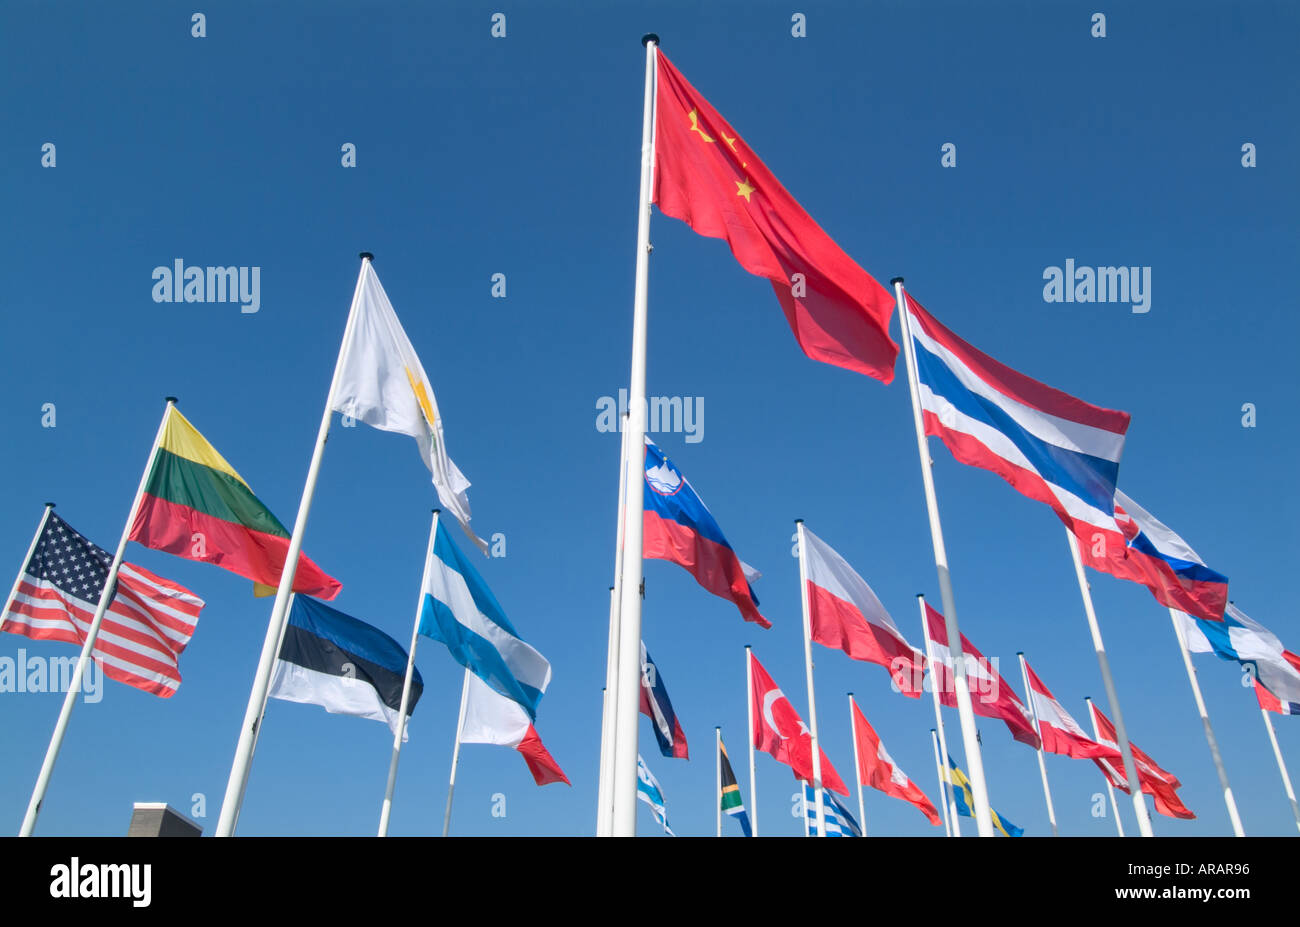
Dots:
pixel 647 790
pixel 459 609
pixel 839 823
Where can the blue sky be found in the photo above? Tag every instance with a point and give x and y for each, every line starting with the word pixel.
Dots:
pixel 519 155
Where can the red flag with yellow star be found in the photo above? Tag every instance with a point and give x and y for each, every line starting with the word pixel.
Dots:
pixel 709 178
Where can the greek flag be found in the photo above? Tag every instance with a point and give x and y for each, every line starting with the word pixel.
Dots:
pixel 839 823
pixel 647 790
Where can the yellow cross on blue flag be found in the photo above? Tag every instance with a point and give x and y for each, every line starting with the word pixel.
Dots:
pixel 965 802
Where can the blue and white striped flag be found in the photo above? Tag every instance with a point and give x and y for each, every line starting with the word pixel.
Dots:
pixel 647 790
pixel 459 609
pixel 839 823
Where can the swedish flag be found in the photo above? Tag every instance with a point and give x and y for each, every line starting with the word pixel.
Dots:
pixel 965 802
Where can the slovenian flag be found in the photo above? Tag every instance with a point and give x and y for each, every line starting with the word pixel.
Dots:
pixel 677 526
pixel 344 665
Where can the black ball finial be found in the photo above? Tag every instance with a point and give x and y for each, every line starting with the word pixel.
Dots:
pixel 366 256
pixel 648 38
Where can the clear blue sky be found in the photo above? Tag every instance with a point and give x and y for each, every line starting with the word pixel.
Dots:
pixel 519 156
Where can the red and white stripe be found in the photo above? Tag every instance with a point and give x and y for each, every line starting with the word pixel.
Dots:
pixel 1060 732
pixel 845 614
pixel 147 626
pixel 491 718
pixel 1160 784
pixel 991 695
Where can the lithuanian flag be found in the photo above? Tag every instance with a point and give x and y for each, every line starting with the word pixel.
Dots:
pixel 196 506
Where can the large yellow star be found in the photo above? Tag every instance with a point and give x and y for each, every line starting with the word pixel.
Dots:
pixel 744 189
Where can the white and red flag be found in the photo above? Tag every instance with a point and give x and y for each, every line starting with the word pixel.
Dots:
pixel 491 718
pixel 878 770
pixel 845 614
pixel 779 731
pixel 1160 784
pixel 991 695
pixel 1060 732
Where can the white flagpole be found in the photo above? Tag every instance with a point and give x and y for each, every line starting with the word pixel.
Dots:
pixel 749 708
pixel 1228 800
pixel 718 778
pixel 857 767
pixel 31 549
pixel 243 761
pixel 1112 697
pixel 1281 764
pixel 628 696
pixel 945 787
pixel 455 752
pixel 1042 765
pixel 1110 789
pixel 92 634
pixel 803 798
pixel 970 738
pixel 808 670
pixel 605 788
pixel 386 809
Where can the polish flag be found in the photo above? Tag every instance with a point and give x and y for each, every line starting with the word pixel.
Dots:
pixel 844 614
pixel 1156 782
pixel 491 718
pixel 877 768
pixel 990 694
pixel 780 731
pixel 1061 733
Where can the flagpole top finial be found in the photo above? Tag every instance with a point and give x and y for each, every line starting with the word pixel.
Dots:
pixel 747 647
pixel 436 511
pixel 49 505
pixel 648 38
pixel 850 695
pixel 171 399
pixel 920 595
pixel 798 521
pixel 366 256
pixel 894 281
pixel 1020 653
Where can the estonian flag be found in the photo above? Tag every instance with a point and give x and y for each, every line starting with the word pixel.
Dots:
pixel 344 665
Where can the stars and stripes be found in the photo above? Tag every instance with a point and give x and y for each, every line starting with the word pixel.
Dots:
pixel 149 621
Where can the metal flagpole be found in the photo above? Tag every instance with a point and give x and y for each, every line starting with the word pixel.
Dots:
pixel 718 768
pixel 803 798
pixel 1110 789
pixel 239 769
pixel 1281 764
pixel 945 786
pixel 970 738
pixel 92 634
pixel 40 528
pixel 808 670
pixel 1042 765
pixel 455 752
pixel 1121 734
pixel 857 767
pixel 627 699
pixel 1209 731
pixel 749 707
pixel 386 809
pixel 604 792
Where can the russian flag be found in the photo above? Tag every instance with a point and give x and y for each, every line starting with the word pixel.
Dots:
pixel 1155 556
pixel 1047 444
pixel 678 527
pixel 656 706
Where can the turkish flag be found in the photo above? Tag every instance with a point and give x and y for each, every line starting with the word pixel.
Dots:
pixel 780 731
pixel 707 176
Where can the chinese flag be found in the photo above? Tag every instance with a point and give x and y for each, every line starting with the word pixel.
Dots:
pixel 709 178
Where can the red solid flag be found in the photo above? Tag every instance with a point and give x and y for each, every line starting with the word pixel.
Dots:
pixel 1156 782
pixel 780 731
pixel 705 175
pixel 878 770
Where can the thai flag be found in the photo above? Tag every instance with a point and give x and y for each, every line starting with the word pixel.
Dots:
pixel 1047 444
pixel 656 706
pixel 677 526
pixel 1155 556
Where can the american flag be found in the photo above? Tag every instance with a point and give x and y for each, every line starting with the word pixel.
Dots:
pixel 147 625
